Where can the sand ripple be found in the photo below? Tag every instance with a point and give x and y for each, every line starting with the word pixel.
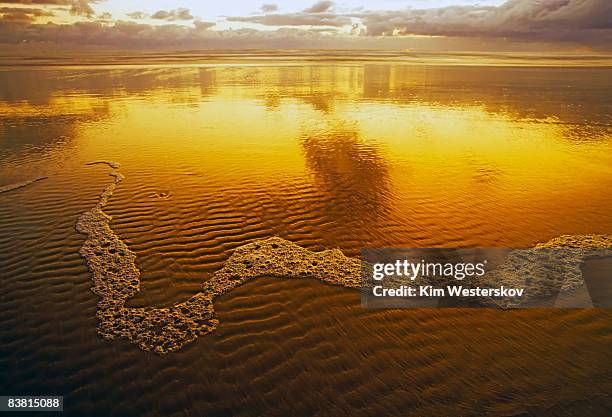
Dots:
pixel 162 330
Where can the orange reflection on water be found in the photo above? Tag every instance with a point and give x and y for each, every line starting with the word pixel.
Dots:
pixel 336 155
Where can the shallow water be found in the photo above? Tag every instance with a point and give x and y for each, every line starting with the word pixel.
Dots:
pixel 344 155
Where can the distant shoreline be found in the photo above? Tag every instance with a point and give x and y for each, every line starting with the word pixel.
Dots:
pixel 298 57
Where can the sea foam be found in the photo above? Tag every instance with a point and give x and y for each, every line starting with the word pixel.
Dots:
pixel 167 329
pixel 116 279
pixel 21 184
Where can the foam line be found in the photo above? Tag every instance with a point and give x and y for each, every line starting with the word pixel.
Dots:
pixel 116 279
pixel 112 164
pixel 167 329
pixel 17 185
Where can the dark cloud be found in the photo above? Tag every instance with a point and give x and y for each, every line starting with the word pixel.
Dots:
pixel 544 20
pixel 586 22
pixel 269 8
pixel 320 7
pixel 28 10
pixel 22 14
pixel 82 7
pixel 177 14
pixel 77 7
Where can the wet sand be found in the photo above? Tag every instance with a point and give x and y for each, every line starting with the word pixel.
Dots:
pixel 323 156
pixel 162 330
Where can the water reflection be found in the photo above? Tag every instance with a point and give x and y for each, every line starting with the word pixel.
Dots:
pixel 208 83
pixel 553 94
pixel 353 176
pixel 40 132
pixel 441 153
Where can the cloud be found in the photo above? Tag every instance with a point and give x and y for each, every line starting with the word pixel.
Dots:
pixel 269 8
pixel 587 22
pixel 312 16
pixel 38 2
pixel 316 15
pixel 129 34
pixel 320 7
pixel 137 15
pixel 553 24
pixel 200 25
pixel 22 14
pixel 544 20
pixel 77 7
pixel 82 8
pixel 295 19
pixel 177 14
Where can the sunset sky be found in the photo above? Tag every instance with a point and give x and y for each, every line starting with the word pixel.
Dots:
pixel 565 25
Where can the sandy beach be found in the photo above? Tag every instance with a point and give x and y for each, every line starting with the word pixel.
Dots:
pixel 320 157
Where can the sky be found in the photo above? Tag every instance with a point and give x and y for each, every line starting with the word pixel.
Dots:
pixel 513 25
